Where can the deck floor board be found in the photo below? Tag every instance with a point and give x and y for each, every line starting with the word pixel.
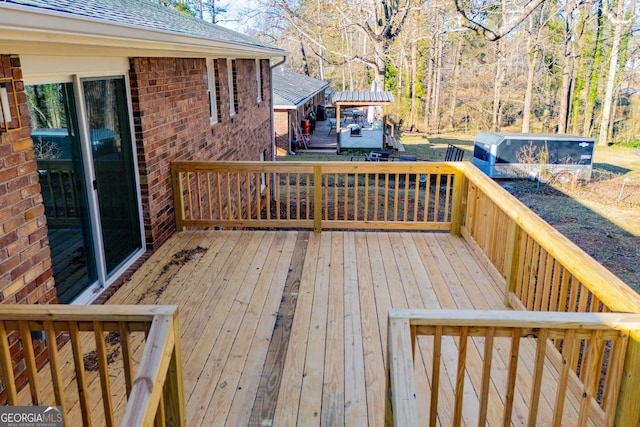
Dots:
pixel 290 328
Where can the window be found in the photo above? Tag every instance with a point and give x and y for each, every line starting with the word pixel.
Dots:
pixel 259 79
pixel 232 76
pixel 214 91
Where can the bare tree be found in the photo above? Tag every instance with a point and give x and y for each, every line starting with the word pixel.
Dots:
pixel 621 18
pixel 533 54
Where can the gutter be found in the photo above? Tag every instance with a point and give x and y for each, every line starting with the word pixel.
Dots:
pixel 277 64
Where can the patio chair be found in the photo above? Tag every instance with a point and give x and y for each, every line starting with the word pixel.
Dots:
pixel 453 154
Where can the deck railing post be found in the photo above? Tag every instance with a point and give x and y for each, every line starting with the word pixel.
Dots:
pixel 512 255
pixel 459 202
pixel 317 198
pixel 628 408
pixel 177 197
pixel 173 392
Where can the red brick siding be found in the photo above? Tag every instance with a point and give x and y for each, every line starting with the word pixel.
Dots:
pixel 25 262
pixel 171 118
pixel 281 119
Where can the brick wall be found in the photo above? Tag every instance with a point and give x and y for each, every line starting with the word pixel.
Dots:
pixel 171 118
pixel 281 127
pixel 25 263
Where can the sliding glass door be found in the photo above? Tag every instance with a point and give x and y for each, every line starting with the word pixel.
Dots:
pixel 84 151
pixel 107 117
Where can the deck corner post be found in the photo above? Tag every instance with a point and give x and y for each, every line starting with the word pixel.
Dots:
pixel 458 207
pixel 628 407
pixel 317 199
pixel 177 196
pixel 173 393
pixel 512 256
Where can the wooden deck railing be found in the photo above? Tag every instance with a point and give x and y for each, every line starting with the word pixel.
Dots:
pixel 345 195
pixel 601 337
pixel 542 270
pixel 100 341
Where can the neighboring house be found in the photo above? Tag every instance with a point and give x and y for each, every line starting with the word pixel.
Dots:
pixel 108 93
pixel 295 96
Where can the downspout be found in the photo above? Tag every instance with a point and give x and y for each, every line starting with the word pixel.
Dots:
pixel 273 124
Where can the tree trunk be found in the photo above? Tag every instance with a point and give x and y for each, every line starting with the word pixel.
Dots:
pixel 498 84
pixel 533 52
pixel 567 69
pixel 429 89
pixel 455 79
pixel 437 78
pixel 413 82
pixel 592 85
pixel 611 77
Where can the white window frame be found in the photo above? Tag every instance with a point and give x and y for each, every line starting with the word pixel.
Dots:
pixel 211 81
pixel 259 80
pixel 232 96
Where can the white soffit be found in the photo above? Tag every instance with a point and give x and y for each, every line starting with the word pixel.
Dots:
pixel 59 69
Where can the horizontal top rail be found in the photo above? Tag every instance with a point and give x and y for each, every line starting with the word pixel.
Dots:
pixel 519 319
pixel 308 167
pixel 79 313
pixel 616 294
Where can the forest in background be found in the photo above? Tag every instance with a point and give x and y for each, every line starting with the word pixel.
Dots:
pixel 559 66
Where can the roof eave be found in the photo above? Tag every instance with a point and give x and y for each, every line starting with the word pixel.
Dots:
pixel 21 28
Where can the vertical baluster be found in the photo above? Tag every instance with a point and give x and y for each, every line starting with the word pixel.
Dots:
pixel 81 379
pixel 345 197
pixel 511 376
pixel 54 364
pixel 218 208
pixel 427 198
pixel 436 203
pixel 396 195
pixel 238 196
pixel 209 199
pixel 229 199
pixel 103 367
pixel 366 197
pixel 376 189
pixel 568 355
pixel 7 368
pixel 447 198
pixel 435 369
pixel 407 181
pixel 460 374
pixel 30 361
pixel 356 203
pixel 298 196
pixel 486 375
pixel 591 375
pixel 615 369
pixel 538 369
pixel 386 198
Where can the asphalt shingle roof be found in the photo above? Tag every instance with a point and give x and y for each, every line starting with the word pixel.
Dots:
pixel 291 89
pixel 143 14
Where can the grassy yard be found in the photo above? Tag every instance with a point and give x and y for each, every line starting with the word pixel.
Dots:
pixel 602 216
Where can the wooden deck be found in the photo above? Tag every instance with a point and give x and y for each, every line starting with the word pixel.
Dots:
pixel 290 328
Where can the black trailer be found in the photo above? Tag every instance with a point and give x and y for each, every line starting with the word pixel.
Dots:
pixel 531 155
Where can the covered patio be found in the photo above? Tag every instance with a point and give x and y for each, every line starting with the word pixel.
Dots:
pixel 361 118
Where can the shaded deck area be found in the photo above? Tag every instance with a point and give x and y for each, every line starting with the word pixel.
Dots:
pixel 290 328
